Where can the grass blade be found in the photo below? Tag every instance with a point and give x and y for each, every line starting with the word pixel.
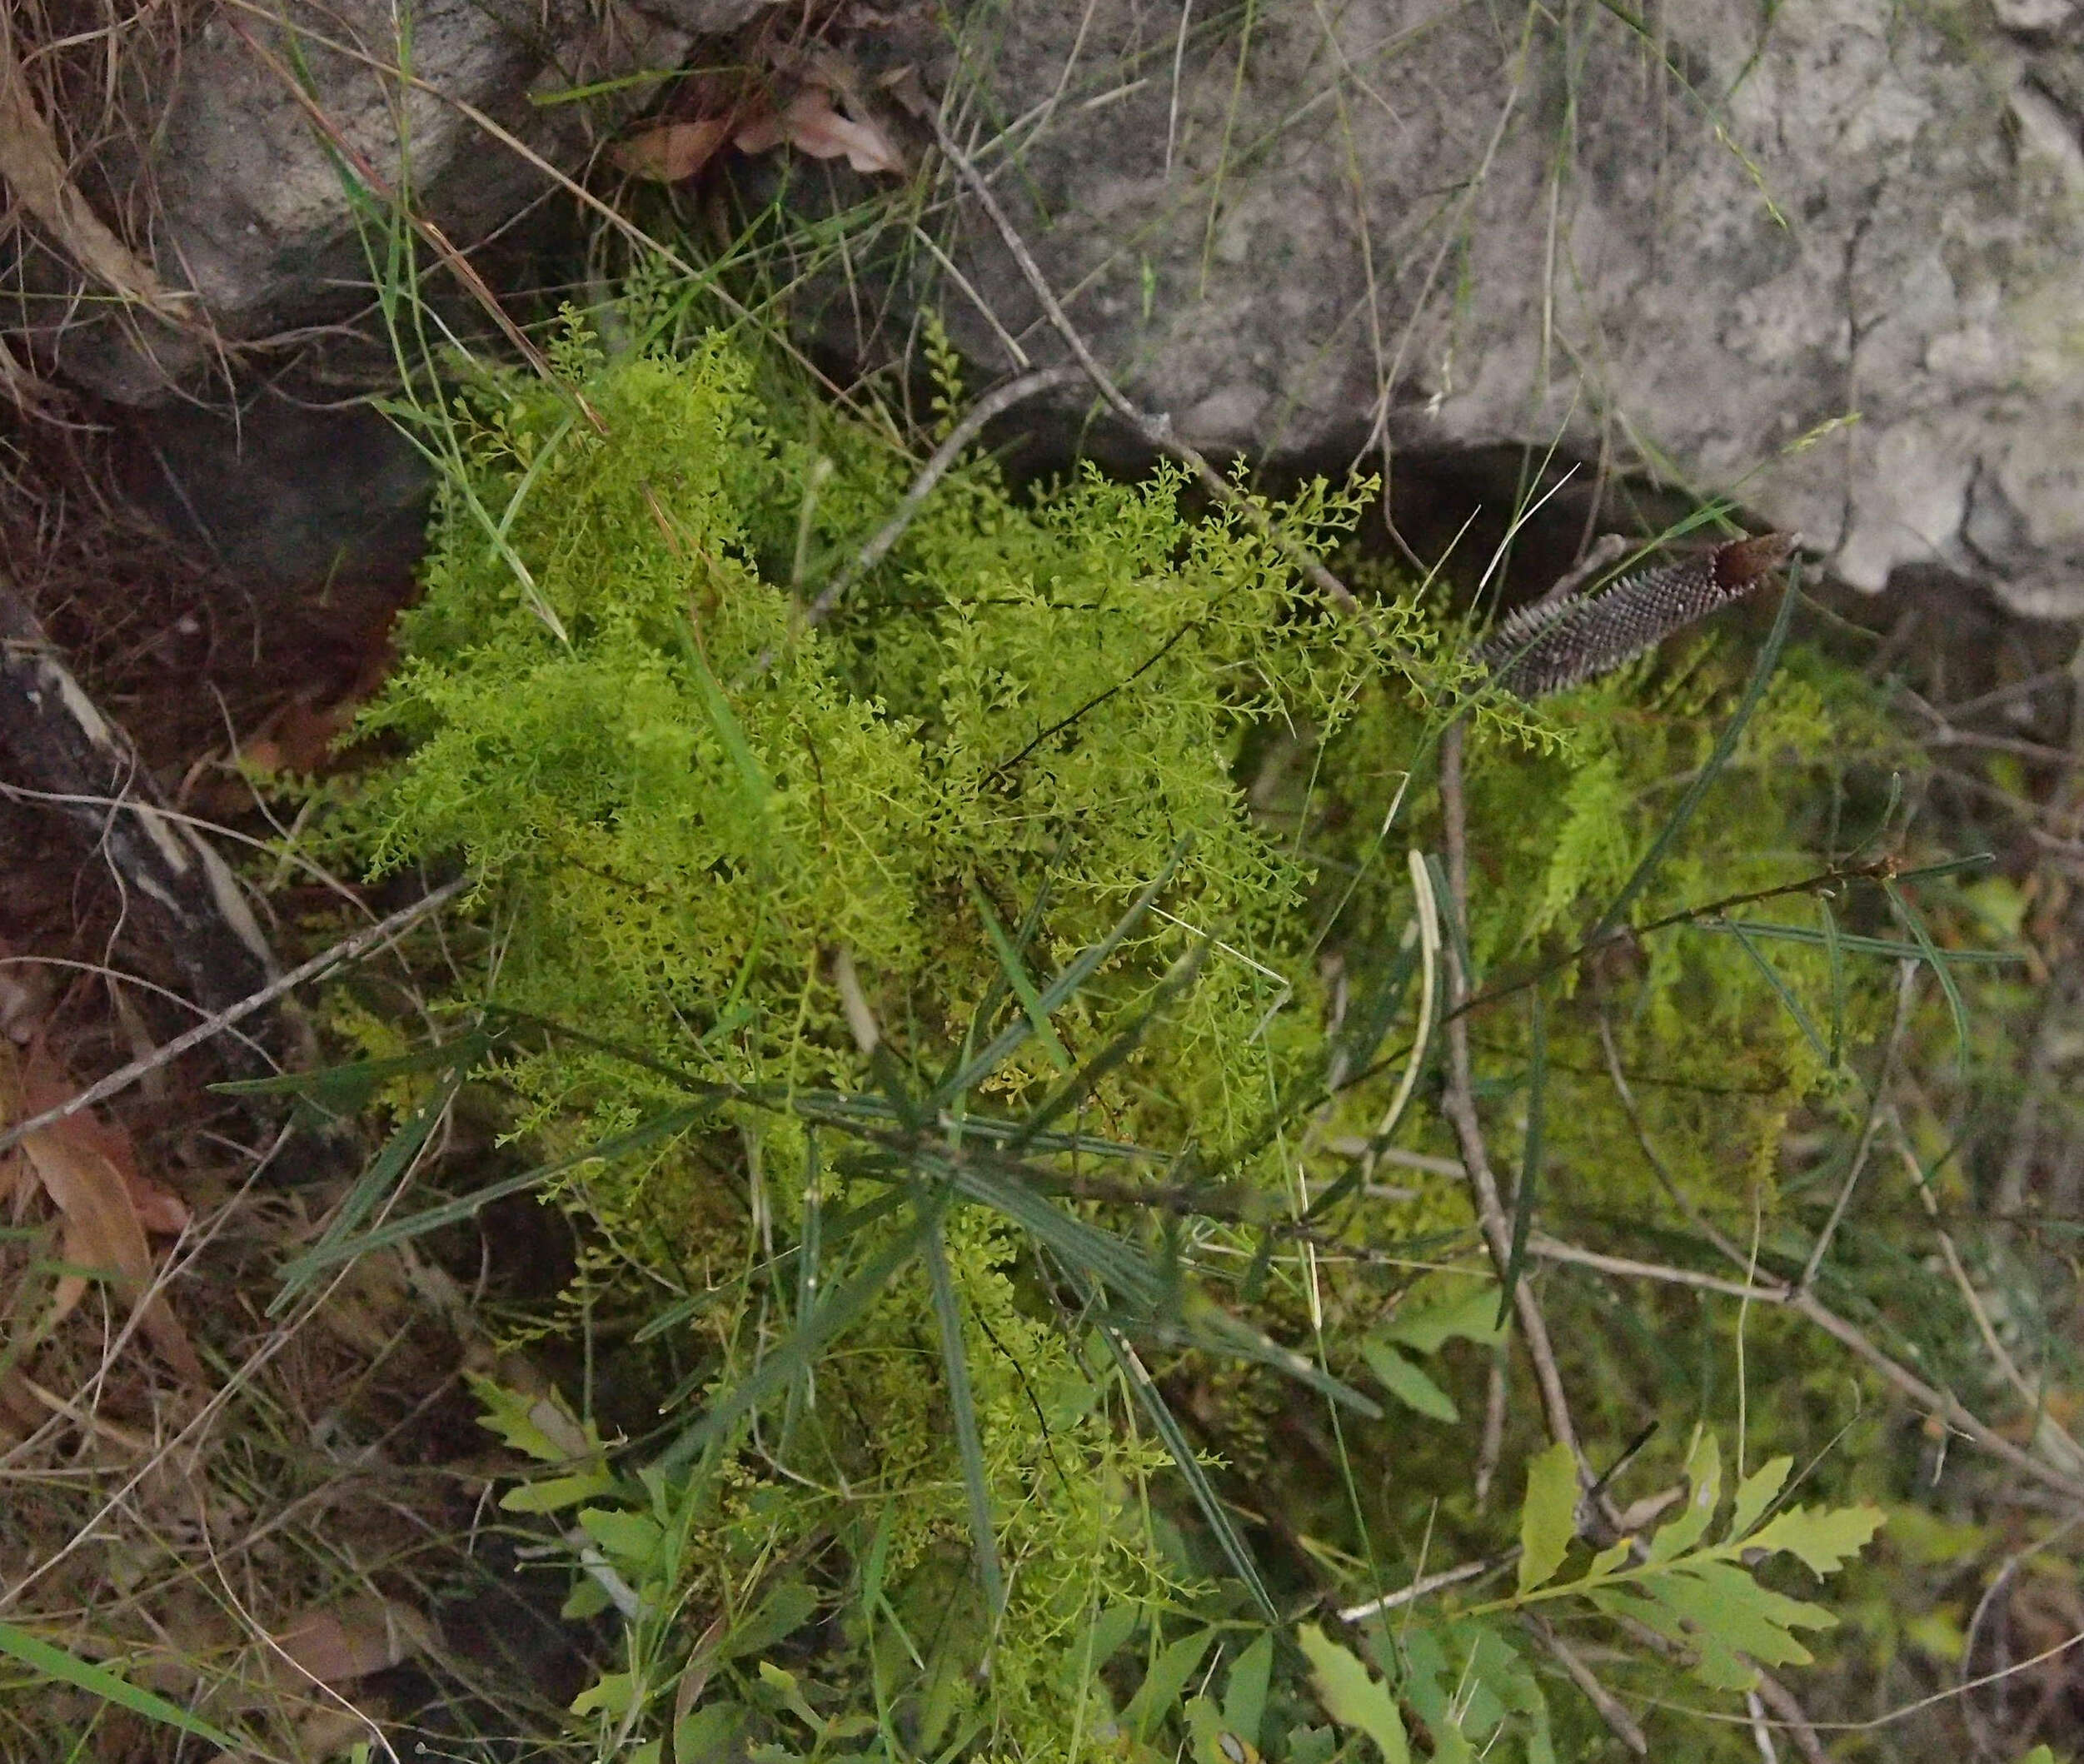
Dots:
pixel 1914 922
pixel 1153 1404
pixel 955 1361
pixel 1530 1164
pixel 398 1231
pixel 839 1309
pixel 59 1666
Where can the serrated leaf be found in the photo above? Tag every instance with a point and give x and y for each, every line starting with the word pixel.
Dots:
pixel 1407 1383
pixel 1822 1538
pixel 1726 1614
pixel 1704 1494
pixel 557 1492
pixel 1351 1696
pixel 588 1598
pixel 540 1427
pixel 632 1539
pixel 1471 1317
pixel 1205 1731
pixel 611 1695
pixel 1757 1493
pixel 1548 1520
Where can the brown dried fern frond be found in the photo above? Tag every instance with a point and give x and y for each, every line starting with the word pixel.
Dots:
pixel 1555 645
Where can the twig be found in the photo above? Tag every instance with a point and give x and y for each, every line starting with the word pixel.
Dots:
pixel 1622 1724
pixel 992 404
pixel 1794 1719
pixel 1156 433
pixel 1807 1305
pixel 1459 1105
pixel 2036 1401
pixel 1492 1446
pixel 1426 1585
pixel 1875 870
pixel 1761 1732
pixel 1554 1249
pixel 346 950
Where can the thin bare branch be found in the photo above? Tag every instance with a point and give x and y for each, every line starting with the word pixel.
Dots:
pixel 369 938
pixel 992 404
pixel 1459 1105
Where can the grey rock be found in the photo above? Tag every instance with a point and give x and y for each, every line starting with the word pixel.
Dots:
pixel 1827 259
pixel 237 194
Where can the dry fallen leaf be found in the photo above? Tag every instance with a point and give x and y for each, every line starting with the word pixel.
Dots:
pixel 34 169
pixel 90 1173
pixel 811 126
pixel 673 151
pixel 359 1635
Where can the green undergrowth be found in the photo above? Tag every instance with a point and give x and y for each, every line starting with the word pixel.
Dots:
pixel 984 1041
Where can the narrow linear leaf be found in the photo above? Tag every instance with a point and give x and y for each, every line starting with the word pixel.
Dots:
pixel 1914 922
pixel 61 1667
pixel 1054 996
pixel 1530 1164
pixel 662 1126
pixel 962 1405
pixel 1834 957
pixel 1789 1001
pixel 379 1180
pixel 842 1306
pixel 1407 1383
pixel 1774 930
pixel 1016 975
pixel 1153 1405
pixel 752 780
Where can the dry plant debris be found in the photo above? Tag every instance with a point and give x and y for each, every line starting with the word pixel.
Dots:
pixel 35 170
pixel 88 1169
pixel 752 118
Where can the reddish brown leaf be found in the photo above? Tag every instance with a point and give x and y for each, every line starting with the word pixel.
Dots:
pixel 351 1639
pixel 811 126
pixel 90 1173
pixel 672 151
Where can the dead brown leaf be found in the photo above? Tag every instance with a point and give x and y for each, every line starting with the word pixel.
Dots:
pixel 88 1170
pixel 810 125
pixel 335 1644
pixel 673 151
pixel 36 172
